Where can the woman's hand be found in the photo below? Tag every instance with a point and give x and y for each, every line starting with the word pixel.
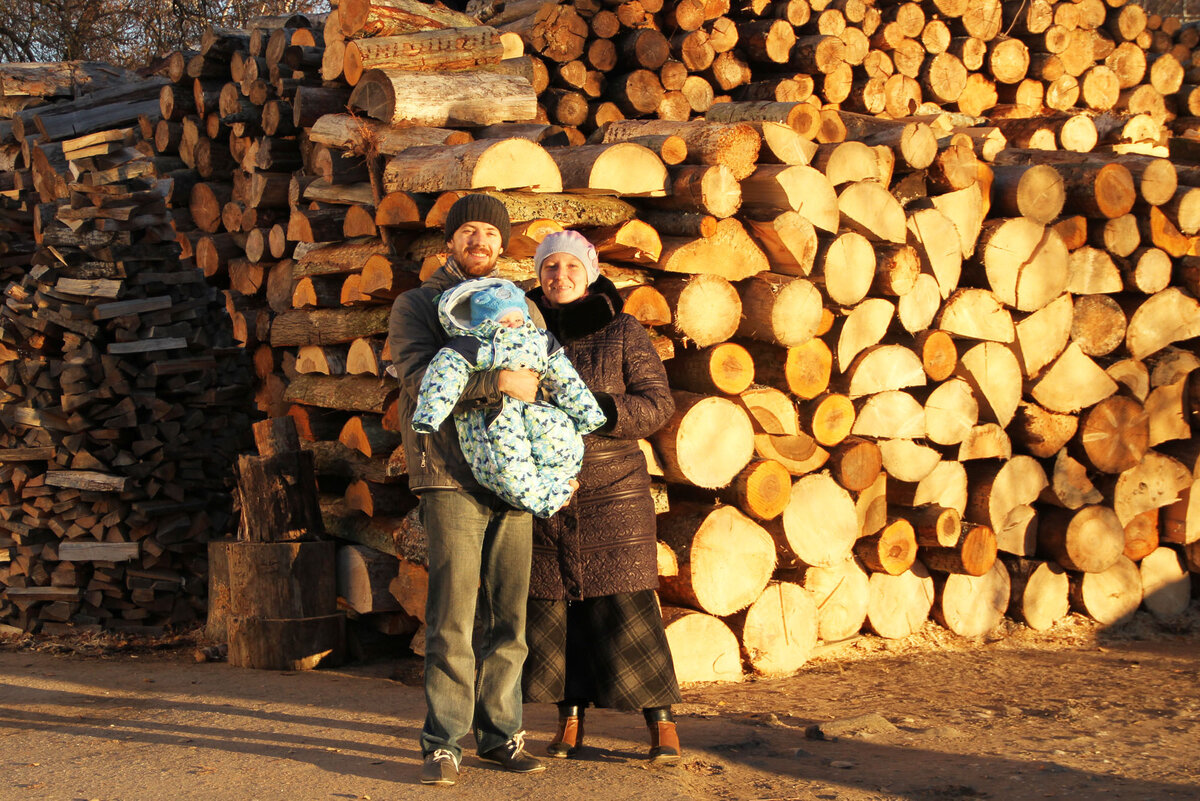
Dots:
pixel 519 384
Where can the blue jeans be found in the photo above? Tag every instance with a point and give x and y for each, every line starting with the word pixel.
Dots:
pixel 479 556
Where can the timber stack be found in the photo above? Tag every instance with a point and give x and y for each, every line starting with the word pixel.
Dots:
pixel 923 274
pixel 123 397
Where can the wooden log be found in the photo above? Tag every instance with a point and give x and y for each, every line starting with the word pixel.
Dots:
pixel 820 524
pixel 783 311
pixel 1114 434
pixel 703 648
pixel 723 368
pixel 795 187
pixel 894 414
pixel 1089 540
pixel 1156 481
pixel 892 551
pixel 761 489
pixel 363 578
pixel 486 164
pixel 707 190
pixel 847 265
pixel 287 643
pixel 1001 496
pixel 971 606
pixel 950 412
pixel 278 499
pixel 937 242
pixel 830 418
pixel 624 168
pixel 706 540
pixel 855 464
pixel 706 443
pixel 1110 597
pixel 281 580
pixel 394 17
pixel 735 145
pixel 705 309
pixel 841 592
pixel 437 49
pixel 1146 334
pixel 778 631
pixel 1166 587
pixel 900 605
pixel 803 370
pixel 1039 593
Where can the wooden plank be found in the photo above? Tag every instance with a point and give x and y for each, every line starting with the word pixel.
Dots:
pixel 86 480
pixel 92 288
pixel 98 551
pixel 105 311
pixel 147 345
pixel 26 454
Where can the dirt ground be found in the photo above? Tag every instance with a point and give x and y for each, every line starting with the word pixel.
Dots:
pixel 1076 712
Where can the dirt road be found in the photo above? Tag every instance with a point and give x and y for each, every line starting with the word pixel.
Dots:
pixel 1077 714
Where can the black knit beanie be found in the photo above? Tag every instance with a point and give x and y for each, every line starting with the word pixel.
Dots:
pixel 477 208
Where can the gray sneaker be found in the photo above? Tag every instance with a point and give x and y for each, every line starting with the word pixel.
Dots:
pixel 513 757
pixel 440 768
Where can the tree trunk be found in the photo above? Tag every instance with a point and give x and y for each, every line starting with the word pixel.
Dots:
pixel 778 631
pixel 706 443
pixel 702 647
pixel 725 559
pixel 900 605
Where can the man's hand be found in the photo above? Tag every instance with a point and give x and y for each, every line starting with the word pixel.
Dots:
pixel 519 384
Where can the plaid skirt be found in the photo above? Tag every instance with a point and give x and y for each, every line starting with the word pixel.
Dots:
pixel 610 650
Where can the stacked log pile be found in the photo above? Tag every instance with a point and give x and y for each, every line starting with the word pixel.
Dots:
pixel 926 363
pixel 123 394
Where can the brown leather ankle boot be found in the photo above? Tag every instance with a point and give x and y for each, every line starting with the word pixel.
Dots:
pixel 664 742
pixel 569 737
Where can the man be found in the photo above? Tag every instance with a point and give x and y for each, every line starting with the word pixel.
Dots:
pixel 479 548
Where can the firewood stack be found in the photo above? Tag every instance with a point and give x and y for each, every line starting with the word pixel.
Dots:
pixel 925 362
pixel 123 396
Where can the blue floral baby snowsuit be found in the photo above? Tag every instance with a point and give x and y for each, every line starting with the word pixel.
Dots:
pixel 526 453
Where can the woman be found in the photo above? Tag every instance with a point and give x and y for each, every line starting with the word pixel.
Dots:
pixel 594 628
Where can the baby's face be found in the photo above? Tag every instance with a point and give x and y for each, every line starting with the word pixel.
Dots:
pixel 512 319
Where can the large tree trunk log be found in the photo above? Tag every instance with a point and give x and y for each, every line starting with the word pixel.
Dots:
pixel 1090 540
pixel 363 576
pixel 1166 586
pixel 971 606
pixel 278 499
pixel 438 49
pixel 1110 597
pixel 784 311
pixel 288 643
pixel 1001 495
pixel 359 135
pixel 1039 595
pixel 900 605
pixel 778 631
pixel 725 558
pixel 705 308
pixel 394 17
pixel 707 441
pixel 841 592
pixel 820 524
pixel 486 164
pixel 702 647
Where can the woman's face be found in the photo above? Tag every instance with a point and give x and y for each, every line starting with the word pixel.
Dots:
pixel 564 279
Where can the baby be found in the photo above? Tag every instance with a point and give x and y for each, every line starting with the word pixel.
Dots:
pixel 526 453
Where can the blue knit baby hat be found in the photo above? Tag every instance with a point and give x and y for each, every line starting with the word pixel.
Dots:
pixel 496 301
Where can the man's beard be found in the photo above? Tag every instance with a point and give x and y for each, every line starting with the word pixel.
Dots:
pixel 476 268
